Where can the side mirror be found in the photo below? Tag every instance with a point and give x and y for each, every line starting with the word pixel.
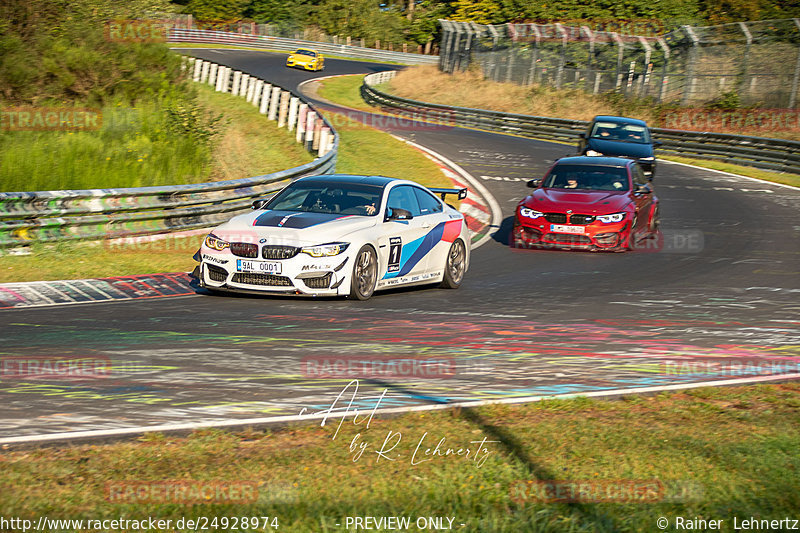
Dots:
pixel 656 144
pixel 396 213
pixel 535 183
pixel 643 189
pixel 582 135
pixel 259 204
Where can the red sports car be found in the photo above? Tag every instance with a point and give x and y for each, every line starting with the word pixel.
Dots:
pixel 589 203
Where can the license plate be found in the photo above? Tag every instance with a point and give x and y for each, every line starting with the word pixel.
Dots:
pixel 264 267
pixel 567 229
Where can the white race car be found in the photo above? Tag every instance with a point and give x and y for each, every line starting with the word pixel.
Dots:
pixel 339 235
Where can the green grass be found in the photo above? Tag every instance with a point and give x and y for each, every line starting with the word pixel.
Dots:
pixel 719 453
pixel 344 91
pixel 135 148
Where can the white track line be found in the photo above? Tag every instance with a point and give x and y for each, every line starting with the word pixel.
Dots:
pixel 245 422
pixel 730 174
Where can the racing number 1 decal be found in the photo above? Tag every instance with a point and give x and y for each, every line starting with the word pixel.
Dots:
pixel 395 247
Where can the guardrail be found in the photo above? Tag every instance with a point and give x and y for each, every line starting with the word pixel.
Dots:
pixel 178 35
pixel 46 216
pixel 759 152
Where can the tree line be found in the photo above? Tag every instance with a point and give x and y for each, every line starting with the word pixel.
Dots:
pixel 415 21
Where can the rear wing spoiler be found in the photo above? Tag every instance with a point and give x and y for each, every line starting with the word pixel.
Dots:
pixel 462 193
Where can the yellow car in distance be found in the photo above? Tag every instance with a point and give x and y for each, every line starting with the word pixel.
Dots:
pixel 306 58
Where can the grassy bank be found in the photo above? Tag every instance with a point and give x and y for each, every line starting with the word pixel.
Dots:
pixel 717 454
pixel 141 146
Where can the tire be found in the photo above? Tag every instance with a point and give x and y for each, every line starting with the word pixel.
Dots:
pixel 655 221
pixel 365 273
pixel 630 242
pixel 455 265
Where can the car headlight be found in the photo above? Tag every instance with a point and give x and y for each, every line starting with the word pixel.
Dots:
pixel 326 250
pixel 616 217
pixel 530 213
pixel 593 153
pixel 651 158
pixel 215 243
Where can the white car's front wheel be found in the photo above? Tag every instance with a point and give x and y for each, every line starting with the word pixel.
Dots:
pixel 455 266
pixel 365 273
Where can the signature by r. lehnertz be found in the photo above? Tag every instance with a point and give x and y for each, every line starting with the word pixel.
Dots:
pixel 425 449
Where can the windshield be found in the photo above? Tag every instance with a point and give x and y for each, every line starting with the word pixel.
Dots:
pixel 305 53
pixel 611 131
pixel 327 197
pixel 586 177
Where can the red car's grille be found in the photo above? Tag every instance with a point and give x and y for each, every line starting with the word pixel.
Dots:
pixel 565 238
pixel 556 218
pixel 581 220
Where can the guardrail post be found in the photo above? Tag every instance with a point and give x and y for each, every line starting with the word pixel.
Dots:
pixel 244 85
pixel 273 103
pixel 315 143
pixel 283 108
pixel 212 74
pixel 257 92
pixel 293 105
pixel 204 72
pixel 220 79
pixel 198 66
pixel 251 90
pixel 311 120
pixel 324 132
pixel 266 95
pixel 237 80
pixel 302 117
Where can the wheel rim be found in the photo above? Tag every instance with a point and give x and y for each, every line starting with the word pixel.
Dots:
pixel 456 261
pixel 365 273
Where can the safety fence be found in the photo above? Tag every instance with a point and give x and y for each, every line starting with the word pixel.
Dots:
pixel 759 152
pixel 757 61
pixel 266 42
pixel 47 216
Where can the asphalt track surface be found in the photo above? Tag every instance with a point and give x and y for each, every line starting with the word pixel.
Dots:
pixel 725 290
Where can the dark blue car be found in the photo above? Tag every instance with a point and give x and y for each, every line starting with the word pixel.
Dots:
pixel 620 137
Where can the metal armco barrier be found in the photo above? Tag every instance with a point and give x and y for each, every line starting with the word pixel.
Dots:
pixel 47 216
pixel 759 152
pixel 178 35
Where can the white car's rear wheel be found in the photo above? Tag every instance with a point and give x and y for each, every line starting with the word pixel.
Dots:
pixel 365 274
pixel 455 265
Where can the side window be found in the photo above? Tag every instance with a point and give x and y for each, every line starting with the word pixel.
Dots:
pixel 427 202
pixel 638 175
pixel 403 197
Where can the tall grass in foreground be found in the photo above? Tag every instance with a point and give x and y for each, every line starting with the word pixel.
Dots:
pixel 133 148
